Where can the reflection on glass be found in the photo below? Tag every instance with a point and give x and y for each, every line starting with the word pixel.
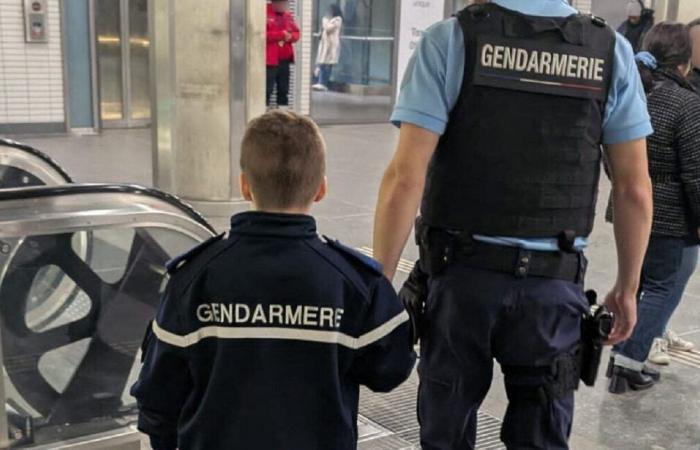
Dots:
pixel 71 375
pixel 51 294
pixel 13 177
pixel 359 88
pixel 138 67
pixel 109 252
pixel 109 58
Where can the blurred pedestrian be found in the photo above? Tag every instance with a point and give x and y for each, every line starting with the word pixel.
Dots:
pixel 674 166
pixel 282 33
pixel 659 353
pixel 694 77
pixel 329 47
pixel 639 21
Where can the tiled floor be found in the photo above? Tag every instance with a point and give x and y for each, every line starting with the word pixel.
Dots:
pixel 666 417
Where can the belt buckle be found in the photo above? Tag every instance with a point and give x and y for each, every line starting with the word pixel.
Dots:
pixel 522 264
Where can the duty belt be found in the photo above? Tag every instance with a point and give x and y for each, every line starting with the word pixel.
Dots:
pixel 524 263
pixel 439 248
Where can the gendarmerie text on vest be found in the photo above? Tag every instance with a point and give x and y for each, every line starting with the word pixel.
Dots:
pixel 273 314
pixel 542 62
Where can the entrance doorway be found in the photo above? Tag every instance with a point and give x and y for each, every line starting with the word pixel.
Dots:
pixel 358 86
pixel 121 27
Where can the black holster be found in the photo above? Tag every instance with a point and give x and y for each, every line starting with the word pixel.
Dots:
pixel 414 294
pixel 438 248
pixel 595 330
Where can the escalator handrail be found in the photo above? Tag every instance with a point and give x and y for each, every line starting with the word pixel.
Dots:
pixel 37 153
pixel 98 188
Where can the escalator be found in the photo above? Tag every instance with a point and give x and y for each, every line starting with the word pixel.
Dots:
pixel 82 268
pixel 23 166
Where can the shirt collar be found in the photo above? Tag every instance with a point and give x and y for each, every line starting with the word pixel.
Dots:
pixel 257 223
pixel 543 8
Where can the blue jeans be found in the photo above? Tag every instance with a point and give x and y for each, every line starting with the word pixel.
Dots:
pixel 324 76
pixel 668 265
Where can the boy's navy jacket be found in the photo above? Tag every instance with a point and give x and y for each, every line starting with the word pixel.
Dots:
pixel 263 338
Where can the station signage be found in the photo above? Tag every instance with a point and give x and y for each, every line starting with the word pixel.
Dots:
pixel 415 17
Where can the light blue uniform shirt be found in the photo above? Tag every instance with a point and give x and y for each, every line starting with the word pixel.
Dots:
pixel 433 81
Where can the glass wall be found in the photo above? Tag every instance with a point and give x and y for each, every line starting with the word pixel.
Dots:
pixel 109 59
pixel 122 61
pixel 354 63
pixel 138 59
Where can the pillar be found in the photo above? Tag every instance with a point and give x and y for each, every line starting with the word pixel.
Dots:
pixel 208 81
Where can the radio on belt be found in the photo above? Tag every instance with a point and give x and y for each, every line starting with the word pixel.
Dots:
pixel 36 21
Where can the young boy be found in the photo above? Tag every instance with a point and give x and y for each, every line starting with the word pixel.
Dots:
pixel 263 337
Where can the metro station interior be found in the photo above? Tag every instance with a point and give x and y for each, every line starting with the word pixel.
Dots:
pixel 120 122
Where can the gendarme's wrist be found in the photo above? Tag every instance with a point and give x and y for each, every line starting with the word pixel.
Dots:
pixel 629 288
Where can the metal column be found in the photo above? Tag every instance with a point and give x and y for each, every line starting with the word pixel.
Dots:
pixel 208 81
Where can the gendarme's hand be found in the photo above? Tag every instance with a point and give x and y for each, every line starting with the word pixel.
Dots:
pixel 624 307
pixel 413 295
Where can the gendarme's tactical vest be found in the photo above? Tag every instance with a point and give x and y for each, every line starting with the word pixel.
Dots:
pixel 521 153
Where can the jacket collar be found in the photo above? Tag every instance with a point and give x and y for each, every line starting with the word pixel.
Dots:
pixel 256 223
pixel 663 76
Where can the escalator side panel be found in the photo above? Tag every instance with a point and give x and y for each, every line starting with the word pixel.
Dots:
pixel 69 372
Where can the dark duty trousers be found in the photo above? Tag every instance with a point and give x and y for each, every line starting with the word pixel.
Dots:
pixel 475 316
pixel 278 76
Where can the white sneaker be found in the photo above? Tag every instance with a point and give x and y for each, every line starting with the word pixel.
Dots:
pixel 319 87
pixel 659 352
pixel 675 342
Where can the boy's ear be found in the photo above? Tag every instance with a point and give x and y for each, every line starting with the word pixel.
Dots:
pixel 245 187
pixel 322 190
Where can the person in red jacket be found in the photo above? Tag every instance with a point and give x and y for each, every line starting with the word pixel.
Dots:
pixel 282 33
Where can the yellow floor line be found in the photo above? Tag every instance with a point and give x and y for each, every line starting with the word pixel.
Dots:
pixel 690 354
pixel 687 358
pixel 404 266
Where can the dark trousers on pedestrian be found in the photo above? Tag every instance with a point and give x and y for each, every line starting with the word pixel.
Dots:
pixel 278 76
pixel 668 265
pixel 474 316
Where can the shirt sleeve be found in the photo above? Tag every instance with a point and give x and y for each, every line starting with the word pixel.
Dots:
pixel 164 382
pixel 386 357
pixel 432 80
pixel 626 115
pixel 274 35
pixel 688 139
pixel 296 34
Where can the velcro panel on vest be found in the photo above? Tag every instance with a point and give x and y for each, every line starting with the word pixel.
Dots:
pixel 559 69
pixel 521 153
